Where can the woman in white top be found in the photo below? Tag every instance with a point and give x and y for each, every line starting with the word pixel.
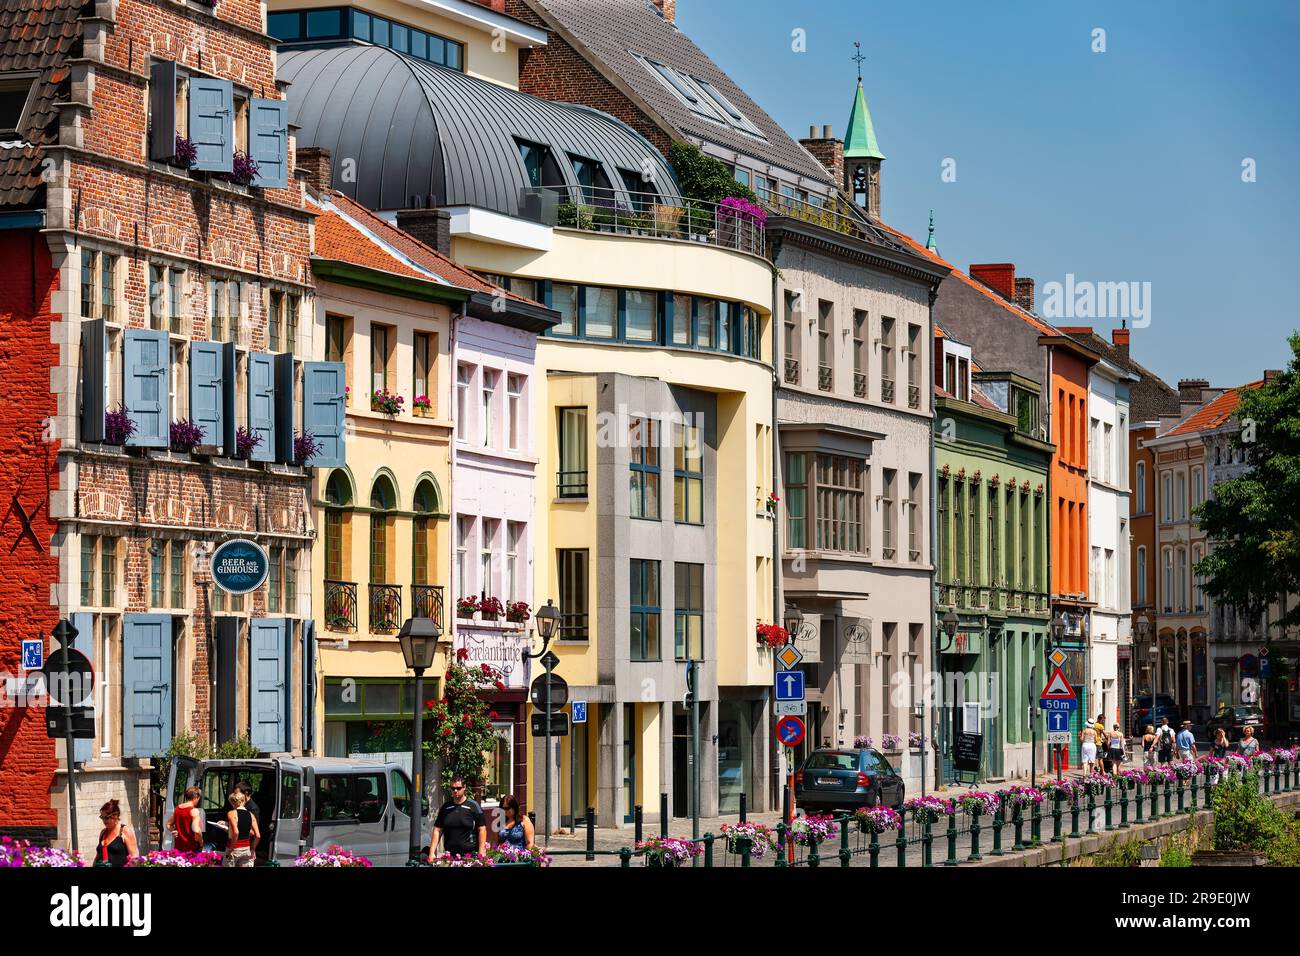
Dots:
pixel 1088 739
pixel 1249 743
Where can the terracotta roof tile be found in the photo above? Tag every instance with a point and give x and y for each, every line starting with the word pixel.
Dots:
pixel 1213 413
pixel 339 240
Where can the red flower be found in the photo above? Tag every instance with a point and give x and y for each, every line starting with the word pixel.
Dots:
pixel 500 685
pixel 462 654
pixel 428 704
pixel 446 731
pixel 492 714
pixel 485 668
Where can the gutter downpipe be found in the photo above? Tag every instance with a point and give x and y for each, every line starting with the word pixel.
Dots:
pixel 778 608
pixel 934 545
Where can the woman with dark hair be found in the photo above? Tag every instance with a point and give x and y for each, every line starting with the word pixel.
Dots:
pixel 516 828
pixel 116 841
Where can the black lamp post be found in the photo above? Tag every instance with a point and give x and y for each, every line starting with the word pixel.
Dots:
pixel 547 620
pixel 1057 628
pixel 419 638
pixel 793 620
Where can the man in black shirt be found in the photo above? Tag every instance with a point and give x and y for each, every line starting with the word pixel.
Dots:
pixel 460 824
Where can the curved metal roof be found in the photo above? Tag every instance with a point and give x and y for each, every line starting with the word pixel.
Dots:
pixel 420 134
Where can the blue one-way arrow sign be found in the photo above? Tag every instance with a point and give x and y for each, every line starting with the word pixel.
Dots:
pixel 789 685
pixel 1058 720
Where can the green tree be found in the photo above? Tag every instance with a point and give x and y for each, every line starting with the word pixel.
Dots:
pixel 703 177
pixel 459 726
pixel 1254 520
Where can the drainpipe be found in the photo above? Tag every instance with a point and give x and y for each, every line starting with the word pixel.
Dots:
pixel 934 543
pixel 778 608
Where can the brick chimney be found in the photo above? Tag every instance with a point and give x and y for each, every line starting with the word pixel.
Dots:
pixel 1270 374
pixel 498 5
pixel 1190 390
pixel 668 8
pixel 313 165
pixel 827 150
pixel 1120 339
pixel 998 276
pixel 1025 293
pixel 431 226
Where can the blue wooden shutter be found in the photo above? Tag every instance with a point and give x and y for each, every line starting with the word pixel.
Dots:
pixel 145 386
pixel 82 749
pixel 261 404
pixel 268 142
pixel 94 379
pixel 207 403
pixel 146 684
pixel 162 110
pixel 212 123
pixel 323 410
pixel 284 406
pixel 308 686
pixel 268 691
pixel 229 368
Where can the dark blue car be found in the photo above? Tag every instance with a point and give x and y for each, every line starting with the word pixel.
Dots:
pixel 1143 717
pixel 847 779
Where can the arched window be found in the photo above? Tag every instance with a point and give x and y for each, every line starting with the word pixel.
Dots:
pixel 338 498
pixel 382 499
pixel 425 506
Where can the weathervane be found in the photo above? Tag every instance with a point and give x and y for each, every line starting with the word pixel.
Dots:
pixel 858 58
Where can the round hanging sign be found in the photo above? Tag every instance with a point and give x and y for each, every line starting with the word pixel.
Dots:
pixel 240 566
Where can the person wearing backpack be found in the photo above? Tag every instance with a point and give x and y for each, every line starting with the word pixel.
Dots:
pixel 1165 741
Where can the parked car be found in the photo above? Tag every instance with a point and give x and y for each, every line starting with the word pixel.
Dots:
pixel 1143 717
pixel 1237 718
pixel 833 779
pixel 362 806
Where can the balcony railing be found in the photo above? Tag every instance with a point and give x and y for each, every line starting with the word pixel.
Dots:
pixel 833 213
pixel 792 371
pixel 385 608
pixel 859 385
pixel 913 396
pixel 824 377
pixel 602 209
pixel 887 391
pixel 571 484
pixel 340 606
pixel 427 601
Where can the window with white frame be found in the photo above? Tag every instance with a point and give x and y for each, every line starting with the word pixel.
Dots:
pixel 515 411
pixel 464 533
pixel 514 569
pixel 464 375
pixel 486 404
pixel 487 544
pixel 99 285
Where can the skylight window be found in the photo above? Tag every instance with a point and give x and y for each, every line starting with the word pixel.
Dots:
pixel 734 116
pixel 15 91
pixel 685 91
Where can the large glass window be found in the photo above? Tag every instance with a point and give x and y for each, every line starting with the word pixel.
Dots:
pixel 688 591
pixel 641 311
pixel 572 478
pixel 645 610
pixel 601 312
pixel 796 500
pixel 840 498
pixel 564 299
pixel 688 474
pixel 572 566
pixel 706 316
pixel 643 465
pixel 681 320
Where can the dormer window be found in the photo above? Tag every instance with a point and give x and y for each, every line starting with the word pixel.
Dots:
pixel 539 165
pixel 591 177
pixel 16 92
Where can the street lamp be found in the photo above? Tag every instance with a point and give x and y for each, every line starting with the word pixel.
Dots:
pixel 547 621
pixel 419 638
pixel 1057 627
pixel 793 620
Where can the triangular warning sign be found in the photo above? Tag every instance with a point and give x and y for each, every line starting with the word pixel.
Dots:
pixel 1057 686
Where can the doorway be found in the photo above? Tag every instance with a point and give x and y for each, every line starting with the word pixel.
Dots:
pixel 629 761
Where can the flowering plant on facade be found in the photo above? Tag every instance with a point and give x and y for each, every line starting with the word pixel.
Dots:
pixel 184 152
pixel 517 611
pixel 1098 783
pixel 928 809
pixel 509 853
pixel 759 836
pixel 813 830
pixel 246 442
pixel 862 741
pixel 1066 788
pixel 877 819
pixel 1021 798
pixel 668 851
pixel 736 207
pixel 16 853
pixel 422 403
pixel 977 803
pixel 772 635
pixel 176 858
pixel 1131 778
pixel 1284 755
pixel 1263 759
pixel 491 608
pixel 305 448
pixel 185 434
pixel 916 740
pixel 461 860
pixel 390 403
pixel 243 169
pixel 1236 762
pixel 1186 769
pixel 773 499
pixel 118 426
pixel 460 723
pixel 891 741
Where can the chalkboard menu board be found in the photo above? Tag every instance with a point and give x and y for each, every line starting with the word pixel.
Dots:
pixel 966 751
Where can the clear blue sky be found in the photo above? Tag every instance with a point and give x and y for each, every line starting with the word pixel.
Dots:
pixel 1116 166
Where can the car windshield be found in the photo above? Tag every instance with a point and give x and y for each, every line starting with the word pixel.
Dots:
pixel 832 760
pixel 1247 712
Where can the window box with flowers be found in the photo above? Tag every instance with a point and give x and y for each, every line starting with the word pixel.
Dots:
pixel 246 442
pixel 243 170
pixel 185 435
pixel 466 606
pixel 773 501
pixel 517 612
pixel 772 635
pixel 118 427
pixel 422 406
pixel 490 608
pixel 305 447
pixel 390 403
pixel 185 153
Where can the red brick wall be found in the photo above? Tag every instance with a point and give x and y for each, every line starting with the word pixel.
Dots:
pixel 558 72
pixel 27 471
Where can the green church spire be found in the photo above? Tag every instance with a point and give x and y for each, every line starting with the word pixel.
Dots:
pixel 861 140
pixel 929 240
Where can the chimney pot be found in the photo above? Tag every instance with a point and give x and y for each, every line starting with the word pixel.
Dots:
pixel 998 276
pixel 1025 293
pixel 431 226
pixel 1270 374
pixel 667 7
pixel 313 164
pixel 827 133
pixel 812 132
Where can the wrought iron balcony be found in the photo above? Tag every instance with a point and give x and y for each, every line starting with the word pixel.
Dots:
pixel 792 371
pixel 824 377
pixel 385 608
pixel 571 484
pixel 887 391
pixel 427 601
pixel 859 385
pixel 340 606
pixel 913 396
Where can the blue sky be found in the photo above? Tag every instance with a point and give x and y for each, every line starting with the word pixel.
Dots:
pixel 1122 166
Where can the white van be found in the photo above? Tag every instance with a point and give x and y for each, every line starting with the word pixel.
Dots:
pixel 303 802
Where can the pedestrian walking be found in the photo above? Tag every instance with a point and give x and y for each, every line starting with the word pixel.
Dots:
pixel 241 844
pixel 460 824
pixel 186 825
pixel 1088 748
pixel 116 840
pixel 1186 742
pixel 1249 744
pixel 1165 741
pixel 1114 749
pixel 1149 747
pixel 516 829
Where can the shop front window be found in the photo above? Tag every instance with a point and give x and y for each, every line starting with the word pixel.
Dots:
pixel 498 772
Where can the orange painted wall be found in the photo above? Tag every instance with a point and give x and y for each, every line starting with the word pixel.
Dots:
pixel 1069 474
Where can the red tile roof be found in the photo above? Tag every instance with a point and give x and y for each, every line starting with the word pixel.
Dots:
pixel 339 240
pixel 1213 413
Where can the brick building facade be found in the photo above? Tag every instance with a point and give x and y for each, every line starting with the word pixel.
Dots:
pixel 174 291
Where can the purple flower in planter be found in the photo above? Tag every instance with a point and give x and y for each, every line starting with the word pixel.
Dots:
pixel 243 169
pixel 118 426
pixel 186 152
pixel 246 441
pixel 740 208
pixel 185 434
pixel 305 447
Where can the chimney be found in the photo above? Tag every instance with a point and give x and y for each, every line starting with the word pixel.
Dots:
pixel 498 5
pixel 1025 293
pixel 312 163
pixel 1270 374
pixel 1120 339
pixel 431 226
pixel 668 8
pixel 1190 390
pixel 998 276
pixel 827 150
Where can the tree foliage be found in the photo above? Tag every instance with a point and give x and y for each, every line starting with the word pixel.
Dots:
pixel 1254 519
pixel 703 177
pixel 459 725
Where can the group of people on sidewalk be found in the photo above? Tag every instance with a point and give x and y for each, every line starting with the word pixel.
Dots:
pixel 461 825
pixel 188 826
pixel 1159 745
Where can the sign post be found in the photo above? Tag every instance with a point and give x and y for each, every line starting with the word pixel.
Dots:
pixel 1058 700
pixel 790 731
pixel 68 673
